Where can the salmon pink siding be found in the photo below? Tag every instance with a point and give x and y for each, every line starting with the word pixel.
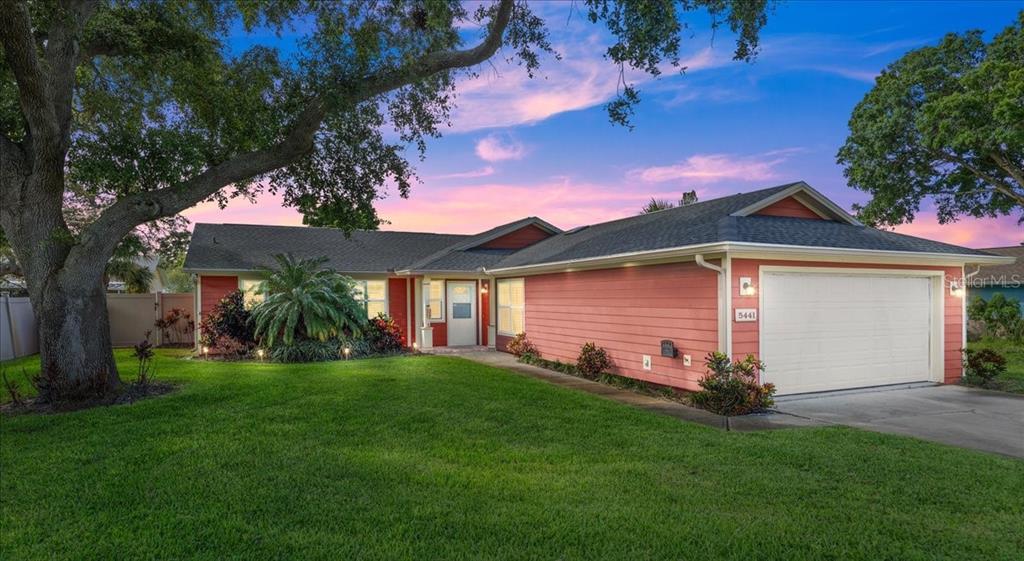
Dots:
pixel 628 311
pixel 746 335
pixel 212 288
pixel 789 207
pixel 518 239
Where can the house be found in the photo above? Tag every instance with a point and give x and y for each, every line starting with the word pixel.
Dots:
pixel 1005 279
pixel 782 273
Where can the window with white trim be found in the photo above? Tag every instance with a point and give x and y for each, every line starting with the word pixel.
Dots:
pixel 511 305
pixel 373 295
pixel 251 294
pixel 435 303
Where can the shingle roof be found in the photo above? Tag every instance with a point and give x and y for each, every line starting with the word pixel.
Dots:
pixel 709 222
pixel 466 255
pixel 1002 275
pixel 246 247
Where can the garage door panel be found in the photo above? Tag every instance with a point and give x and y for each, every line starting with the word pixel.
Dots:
pixel 833 331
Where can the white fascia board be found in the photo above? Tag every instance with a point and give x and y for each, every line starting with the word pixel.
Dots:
pixel 747 250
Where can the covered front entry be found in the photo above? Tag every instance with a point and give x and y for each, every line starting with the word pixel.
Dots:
pixel 825 331
pixel 462 313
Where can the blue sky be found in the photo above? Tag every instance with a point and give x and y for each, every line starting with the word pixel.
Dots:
pixel 545 147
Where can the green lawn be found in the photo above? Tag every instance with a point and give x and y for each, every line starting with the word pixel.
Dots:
pixel 1013 380
pixel 438 458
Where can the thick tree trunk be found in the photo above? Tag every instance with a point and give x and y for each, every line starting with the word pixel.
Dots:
pixel 74 338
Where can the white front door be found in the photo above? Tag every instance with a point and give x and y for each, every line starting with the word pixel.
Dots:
pixel 461 313
pixel 830 331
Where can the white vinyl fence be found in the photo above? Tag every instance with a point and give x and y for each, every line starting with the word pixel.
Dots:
pixel 131 316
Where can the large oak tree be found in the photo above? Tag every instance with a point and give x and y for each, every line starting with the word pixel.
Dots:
pixel 137 111
pixel 943 123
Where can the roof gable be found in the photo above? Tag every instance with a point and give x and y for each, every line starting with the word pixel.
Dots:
pixel 791 207
pixel 804 195
pixel 518 239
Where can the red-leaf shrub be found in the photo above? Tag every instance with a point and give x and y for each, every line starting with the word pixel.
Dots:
pixel 520 345
pixel 382 336
pixel 593 361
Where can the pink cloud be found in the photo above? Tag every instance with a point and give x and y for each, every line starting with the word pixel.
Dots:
pixel 497 148
pixel 712 168
pixel 473 173
pixel 967 232
pixel 503 95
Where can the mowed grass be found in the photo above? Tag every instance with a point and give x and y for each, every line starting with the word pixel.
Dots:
pixel 440 458
pixel 1013 379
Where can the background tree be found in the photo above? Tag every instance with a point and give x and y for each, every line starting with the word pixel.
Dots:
pixel 140 111
pixel 944 123
pixel 654 205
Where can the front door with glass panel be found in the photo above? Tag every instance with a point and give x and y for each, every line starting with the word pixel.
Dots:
pixel 461 313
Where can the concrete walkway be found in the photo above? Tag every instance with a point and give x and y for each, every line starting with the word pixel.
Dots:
pixel 658 405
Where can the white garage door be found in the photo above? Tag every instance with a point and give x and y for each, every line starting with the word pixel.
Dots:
pixel 832 331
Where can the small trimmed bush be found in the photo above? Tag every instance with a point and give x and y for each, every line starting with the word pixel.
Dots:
pixel 981 368
pixel 520 345
pixel 593 361
pixel 731 388
pixel 305 350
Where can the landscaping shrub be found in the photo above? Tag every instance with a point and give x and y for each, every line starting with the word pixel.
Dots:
pixel 556 365
pixel 306 350
pixel 301 300
pixel 731 388
pixel 1000 316
pixel 982 367
pixel 176 327
pixel 143 352
pixel 230 348
pixel 520 345
pixel 593 361
pixel 228 324
pixel 382 336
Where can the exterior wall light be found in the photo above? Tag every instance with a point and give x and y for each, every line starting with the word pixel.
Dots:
pixel 956 288
pixel 747 287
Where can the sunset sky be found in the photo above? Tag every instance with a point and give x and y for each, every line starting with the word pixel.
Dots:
pixel 544 147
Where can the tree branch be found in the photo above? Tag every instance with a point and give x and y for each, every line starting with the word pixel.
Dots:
pixel 1006 165
pixel 996 183
pixel 127 213
pixel 20 54
pixel 433 63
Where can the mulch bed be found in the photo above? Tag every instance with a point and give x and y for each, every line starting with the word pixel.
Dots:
pixel 126 395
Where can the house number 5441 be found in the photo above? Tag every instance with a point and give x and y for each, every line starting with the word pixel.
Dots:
pixel 746 314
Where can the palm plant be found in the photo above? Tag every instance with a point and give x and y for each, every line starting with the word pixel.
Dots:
pixel 302 300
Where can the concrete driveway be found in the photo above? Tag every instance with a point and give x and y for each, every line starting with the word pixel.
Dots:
pixel 965 417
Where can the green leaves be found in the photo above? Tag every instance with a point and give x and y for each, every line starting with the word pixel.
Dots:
pixel 944 123
pixel 301 300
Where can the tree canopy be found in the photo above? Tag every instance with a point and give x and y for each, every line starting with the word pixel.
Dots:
pixel 128 113
pixel 943 123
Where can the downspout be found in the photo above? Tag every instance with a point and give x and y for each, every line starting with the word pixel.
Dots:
pixel 963 309
pixel 724 345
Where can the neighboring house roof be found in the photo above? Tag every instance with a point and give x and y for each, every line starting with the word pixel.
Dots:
pixel 732 219
pixel 1002 275
pixel 246 247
